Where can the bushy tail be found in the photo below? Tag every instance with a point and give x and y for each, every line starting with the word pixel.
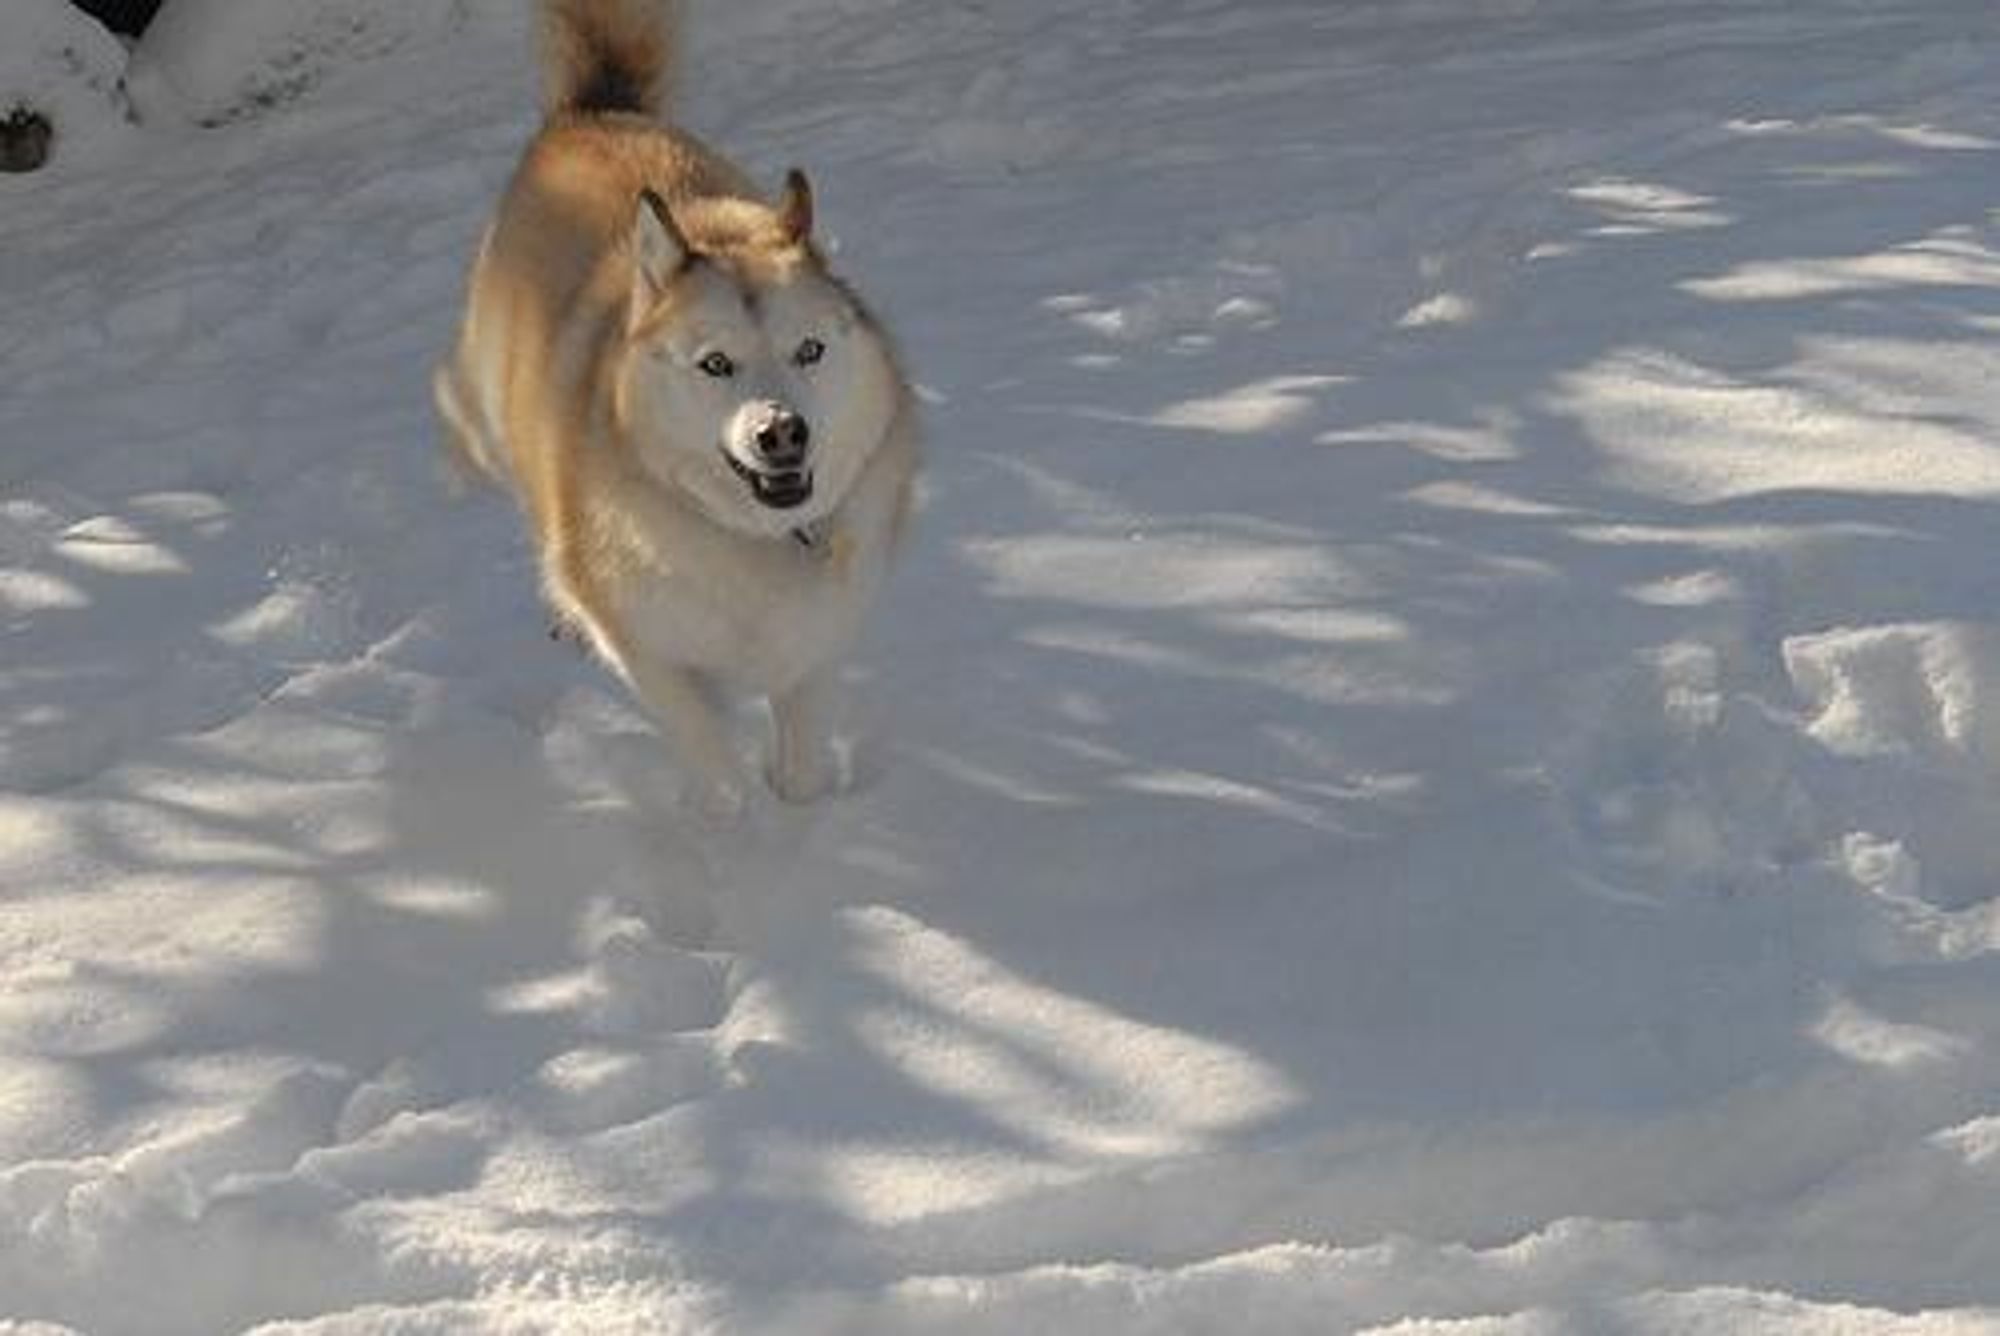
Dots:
pixel 606 55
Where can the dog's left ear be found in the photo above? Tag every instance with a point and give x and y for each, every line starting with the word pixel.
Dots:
pixel 660 251
pixel 795 207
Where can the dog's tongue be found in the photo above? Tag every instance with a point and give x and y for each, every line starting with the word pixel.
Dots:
pixel 783 490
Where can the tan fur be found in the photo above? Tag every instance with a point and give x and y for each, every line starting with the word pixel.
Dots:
pixel 554 391
pixel 603 55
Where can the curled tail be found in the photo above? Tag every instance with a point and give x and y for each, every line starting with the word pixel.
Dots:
pixel 606 55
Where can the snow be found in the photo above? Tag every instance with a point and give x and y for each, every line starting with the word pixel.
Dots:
pixel 216 60
pixel 62 63
pixel 1431 767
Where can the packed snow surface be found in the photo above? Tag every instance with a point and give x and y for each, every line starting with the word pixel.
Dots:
pixel 216 60
pixel 1433 767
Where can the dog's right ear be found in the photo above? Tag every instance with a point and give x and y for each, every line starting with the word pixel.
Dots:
pixel 659 249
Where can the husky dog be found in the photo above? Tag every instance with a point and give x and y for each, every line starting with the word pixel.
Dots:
pixel 707 431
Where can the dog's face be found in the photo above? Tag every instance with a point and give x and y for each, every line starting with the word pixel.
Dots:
pixel 752 380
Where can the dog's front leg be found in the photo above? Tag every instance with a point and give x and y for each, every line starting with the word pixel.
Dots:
pixel 801 766
pixel 677 701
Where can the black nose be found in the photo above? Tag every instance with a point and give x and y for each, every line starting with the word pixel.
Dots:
pixel 782 441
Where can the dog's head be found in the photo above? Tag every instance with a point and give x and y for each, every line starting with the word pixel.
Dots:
pixel 752 379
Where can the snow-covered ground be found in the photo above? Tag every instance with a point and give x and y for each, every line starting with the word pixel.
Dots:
pixel 1434 766
pixel 58 62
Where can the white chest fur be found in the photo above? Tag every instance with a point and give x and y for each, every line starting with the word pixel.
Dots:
pixel 759 614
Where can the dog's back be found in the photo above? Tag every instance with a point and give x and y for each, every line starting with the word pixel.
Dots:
pixel 552 268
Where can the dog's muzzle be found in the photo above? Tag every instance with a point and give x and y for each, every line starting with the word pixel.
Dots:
pixel 780 478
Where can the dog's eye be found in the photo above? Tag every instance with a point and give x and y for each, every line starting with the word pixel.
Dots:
pixel 809 352
pixel 717 365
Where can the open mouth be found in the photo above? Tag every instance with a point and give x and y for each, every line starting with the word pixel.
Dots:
pixel 784 489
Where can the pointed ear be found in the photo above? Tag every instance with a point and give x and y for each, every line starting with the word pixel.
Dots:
pixel 795 207
pixel 659 250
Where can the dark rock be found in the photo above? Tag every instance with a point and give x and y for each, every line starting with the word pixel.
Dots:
pixel 25 136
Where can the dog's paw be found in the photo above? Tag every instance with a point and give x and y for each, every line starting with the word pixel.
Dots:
pixel 803 780
pixel 801 793
pixel 717 805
